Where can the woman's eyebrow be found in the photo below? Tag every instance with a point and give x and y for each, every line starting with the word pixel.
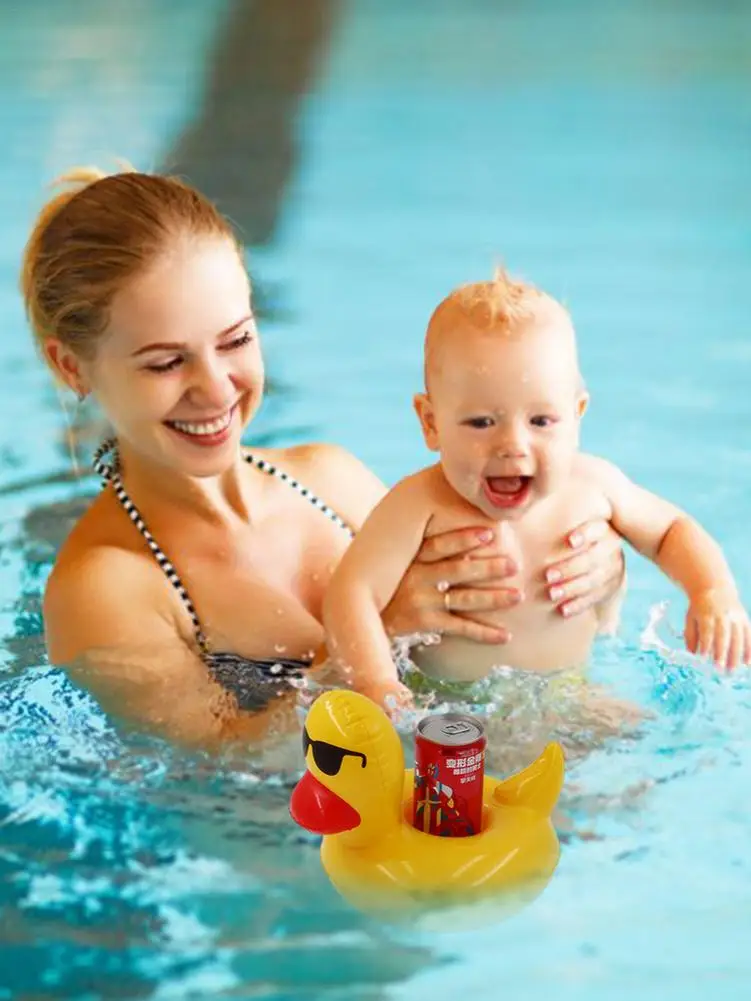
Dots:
pixel 178 345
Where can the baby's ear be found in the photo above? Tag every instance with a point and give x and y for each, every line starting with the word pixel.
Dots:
pixel 426 416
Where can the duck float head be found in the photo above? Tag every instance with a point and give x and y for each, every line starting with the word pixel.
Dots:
pixel 357 793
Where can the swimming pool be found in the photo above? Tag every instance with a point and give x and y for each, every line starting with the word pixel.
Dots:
pixel 603 152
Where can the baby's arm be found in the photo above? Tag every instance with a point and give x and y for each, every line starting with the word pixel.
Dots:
pixel 365 581
pixel 716 624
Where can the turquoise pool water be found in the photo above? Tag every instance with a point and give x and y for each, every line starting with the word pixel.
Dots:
pixel 599 148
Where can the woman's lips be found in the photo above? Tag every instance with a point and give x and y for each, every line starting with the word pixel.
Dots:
pixel 205 434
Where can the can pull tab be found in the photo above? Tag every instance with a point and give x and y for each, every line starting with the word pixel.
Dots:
pixel 458 727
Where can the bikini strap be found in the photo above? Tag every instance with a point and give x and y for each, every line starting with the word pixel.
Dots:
pixel 272 470
pixel 110 473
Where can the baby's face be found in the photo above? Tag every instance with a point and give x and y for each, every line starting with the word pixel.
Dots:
pixel 504 413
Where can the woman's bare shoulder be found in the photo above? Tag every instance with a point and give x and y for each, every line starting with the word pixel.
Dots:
pixel 103 521
pixel 104 587
pixel 335 475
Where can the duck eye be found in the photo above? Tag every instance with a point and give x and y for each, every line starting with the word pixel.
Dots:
pixel 328 757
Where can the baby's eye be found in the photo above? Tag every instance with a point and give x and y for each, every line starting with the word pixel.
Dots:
pixel 480 423
pixel 542 421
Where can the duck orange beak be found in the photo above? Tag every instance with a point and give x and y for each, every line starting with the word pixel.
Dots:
pixel 319 810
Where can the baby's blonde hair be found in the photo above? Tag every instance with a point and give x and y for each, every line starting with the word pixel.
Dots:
pixel 93 237
pixel 501 305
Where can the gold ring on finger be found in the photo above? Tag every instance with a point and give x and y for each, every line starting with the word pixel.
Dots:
pixel 447 599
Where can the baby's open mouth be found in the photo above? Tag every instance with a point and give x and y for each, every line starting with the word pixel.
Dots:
pixel 507 491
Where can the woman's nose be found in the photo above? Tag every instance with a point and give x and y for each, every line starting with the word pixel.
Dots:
pixel 212 386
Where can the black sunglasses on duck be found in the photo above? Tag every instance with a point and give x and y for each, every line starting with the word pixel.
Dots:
pixel 328 757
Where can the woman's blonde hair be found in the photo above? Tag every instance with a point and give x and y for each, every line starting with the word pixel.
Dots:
pixel 95 236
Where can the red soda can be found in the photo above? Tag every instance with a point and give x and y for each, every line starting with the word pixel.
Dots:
pixel 449 773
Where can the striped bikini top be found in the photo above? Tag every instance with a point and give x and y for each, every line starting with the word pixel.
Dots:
pixel 254 682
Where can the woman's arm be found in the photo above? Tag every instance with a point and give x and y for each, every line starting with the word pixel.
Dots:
pixel 110 624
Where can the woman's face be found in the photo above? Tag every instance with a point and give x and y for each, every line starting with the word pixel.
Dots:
pixel 179 372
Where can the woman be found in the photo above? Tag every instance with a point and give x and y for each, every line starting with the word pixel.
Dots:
pixel 189 594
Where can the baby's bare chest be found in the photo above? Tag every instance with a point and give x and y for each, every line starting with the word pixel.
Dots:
pixel 536 539
pixel 540 638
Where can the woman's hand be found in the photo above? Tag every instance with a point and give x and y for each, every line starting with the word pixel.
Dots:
pixel 593 574
pixel 446 591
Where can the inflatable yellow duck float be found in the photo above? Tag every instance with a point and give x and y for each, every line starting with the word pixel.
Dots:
pixel 357 793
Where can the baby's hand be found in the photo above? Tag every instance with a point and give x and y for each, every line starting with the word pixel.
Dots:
pixel 390 695
pixel 717 626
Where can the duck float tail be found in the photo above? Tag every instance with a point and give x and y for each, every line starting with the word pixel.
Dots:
pixel 538 786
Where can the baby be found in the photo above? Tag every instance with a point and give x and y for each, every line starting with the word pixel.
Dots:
pixel 502 406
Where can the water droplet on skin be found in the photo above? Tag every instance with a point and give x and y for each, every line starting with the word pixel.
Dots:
pixel 279 648
pixel 280 611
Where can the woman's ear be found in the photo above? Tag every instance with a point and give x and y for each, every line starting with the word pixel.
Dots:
pixel 426 416
pixel 582 402
pixel 66 365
